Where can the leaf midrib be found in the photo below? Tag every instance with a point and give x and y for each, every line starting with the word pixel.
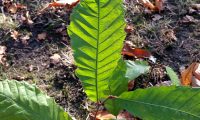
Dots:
pixel 161 106
pixel 97 56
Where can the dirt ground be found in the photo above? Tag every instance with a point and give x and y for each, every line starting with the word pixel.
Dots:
pixel 172 36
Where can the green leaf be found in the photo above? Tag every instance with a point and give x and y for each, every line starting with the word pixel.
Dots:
pixel 118 85
pixel 97 34
pixel 21 101
pixel 136 68
pixel 118 82
pixel 173 76
pixel 162 103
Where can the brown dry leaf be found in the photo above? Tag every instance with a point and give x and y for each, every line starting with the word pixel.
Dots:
pixel 69 4
pixel 64 3
pixel 42 36
pixel 124 115
pixel 105 115
pixel 101 115
pixel 14 7
pixel 135 52
pixel 14 34
pixel 186 75
pixel 148 4
pixel 159 5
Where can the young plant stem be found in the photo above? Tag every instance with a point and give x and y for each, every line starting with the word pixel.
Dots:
pixel 102 103
pixel 98 106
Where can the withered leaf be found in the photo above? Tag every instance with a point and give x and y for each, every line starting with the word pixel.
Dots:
pixel 105 115
pixel 148 4
pixel 135 52
pixel 101 115
pixel 64 3
pixel 186 75
pixel 157 7
pixel 69 4
pixel 15 7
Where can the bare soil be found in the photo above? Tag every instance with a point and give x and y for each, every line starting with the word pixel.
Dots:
pixel 171 40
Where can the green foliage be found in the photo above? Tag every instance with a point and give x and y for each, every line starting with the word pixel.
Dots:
pixel 118 83
pixel 173 76
pixel 97 34
pixel 136 68
pixel 161 103
pixel 21 101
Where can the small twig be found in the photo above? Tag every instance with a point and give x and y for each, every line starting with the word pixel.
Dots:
pixel 109 97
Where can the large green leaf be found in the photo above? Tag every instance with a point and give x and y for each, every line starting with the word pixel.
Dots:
pixel 21 101
pixel 118 84
pixel 162 103
pixel 97 34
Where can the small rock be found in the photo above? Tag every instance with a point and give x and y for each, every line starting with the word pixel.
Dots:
pixel 55 58
pixel 42 36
